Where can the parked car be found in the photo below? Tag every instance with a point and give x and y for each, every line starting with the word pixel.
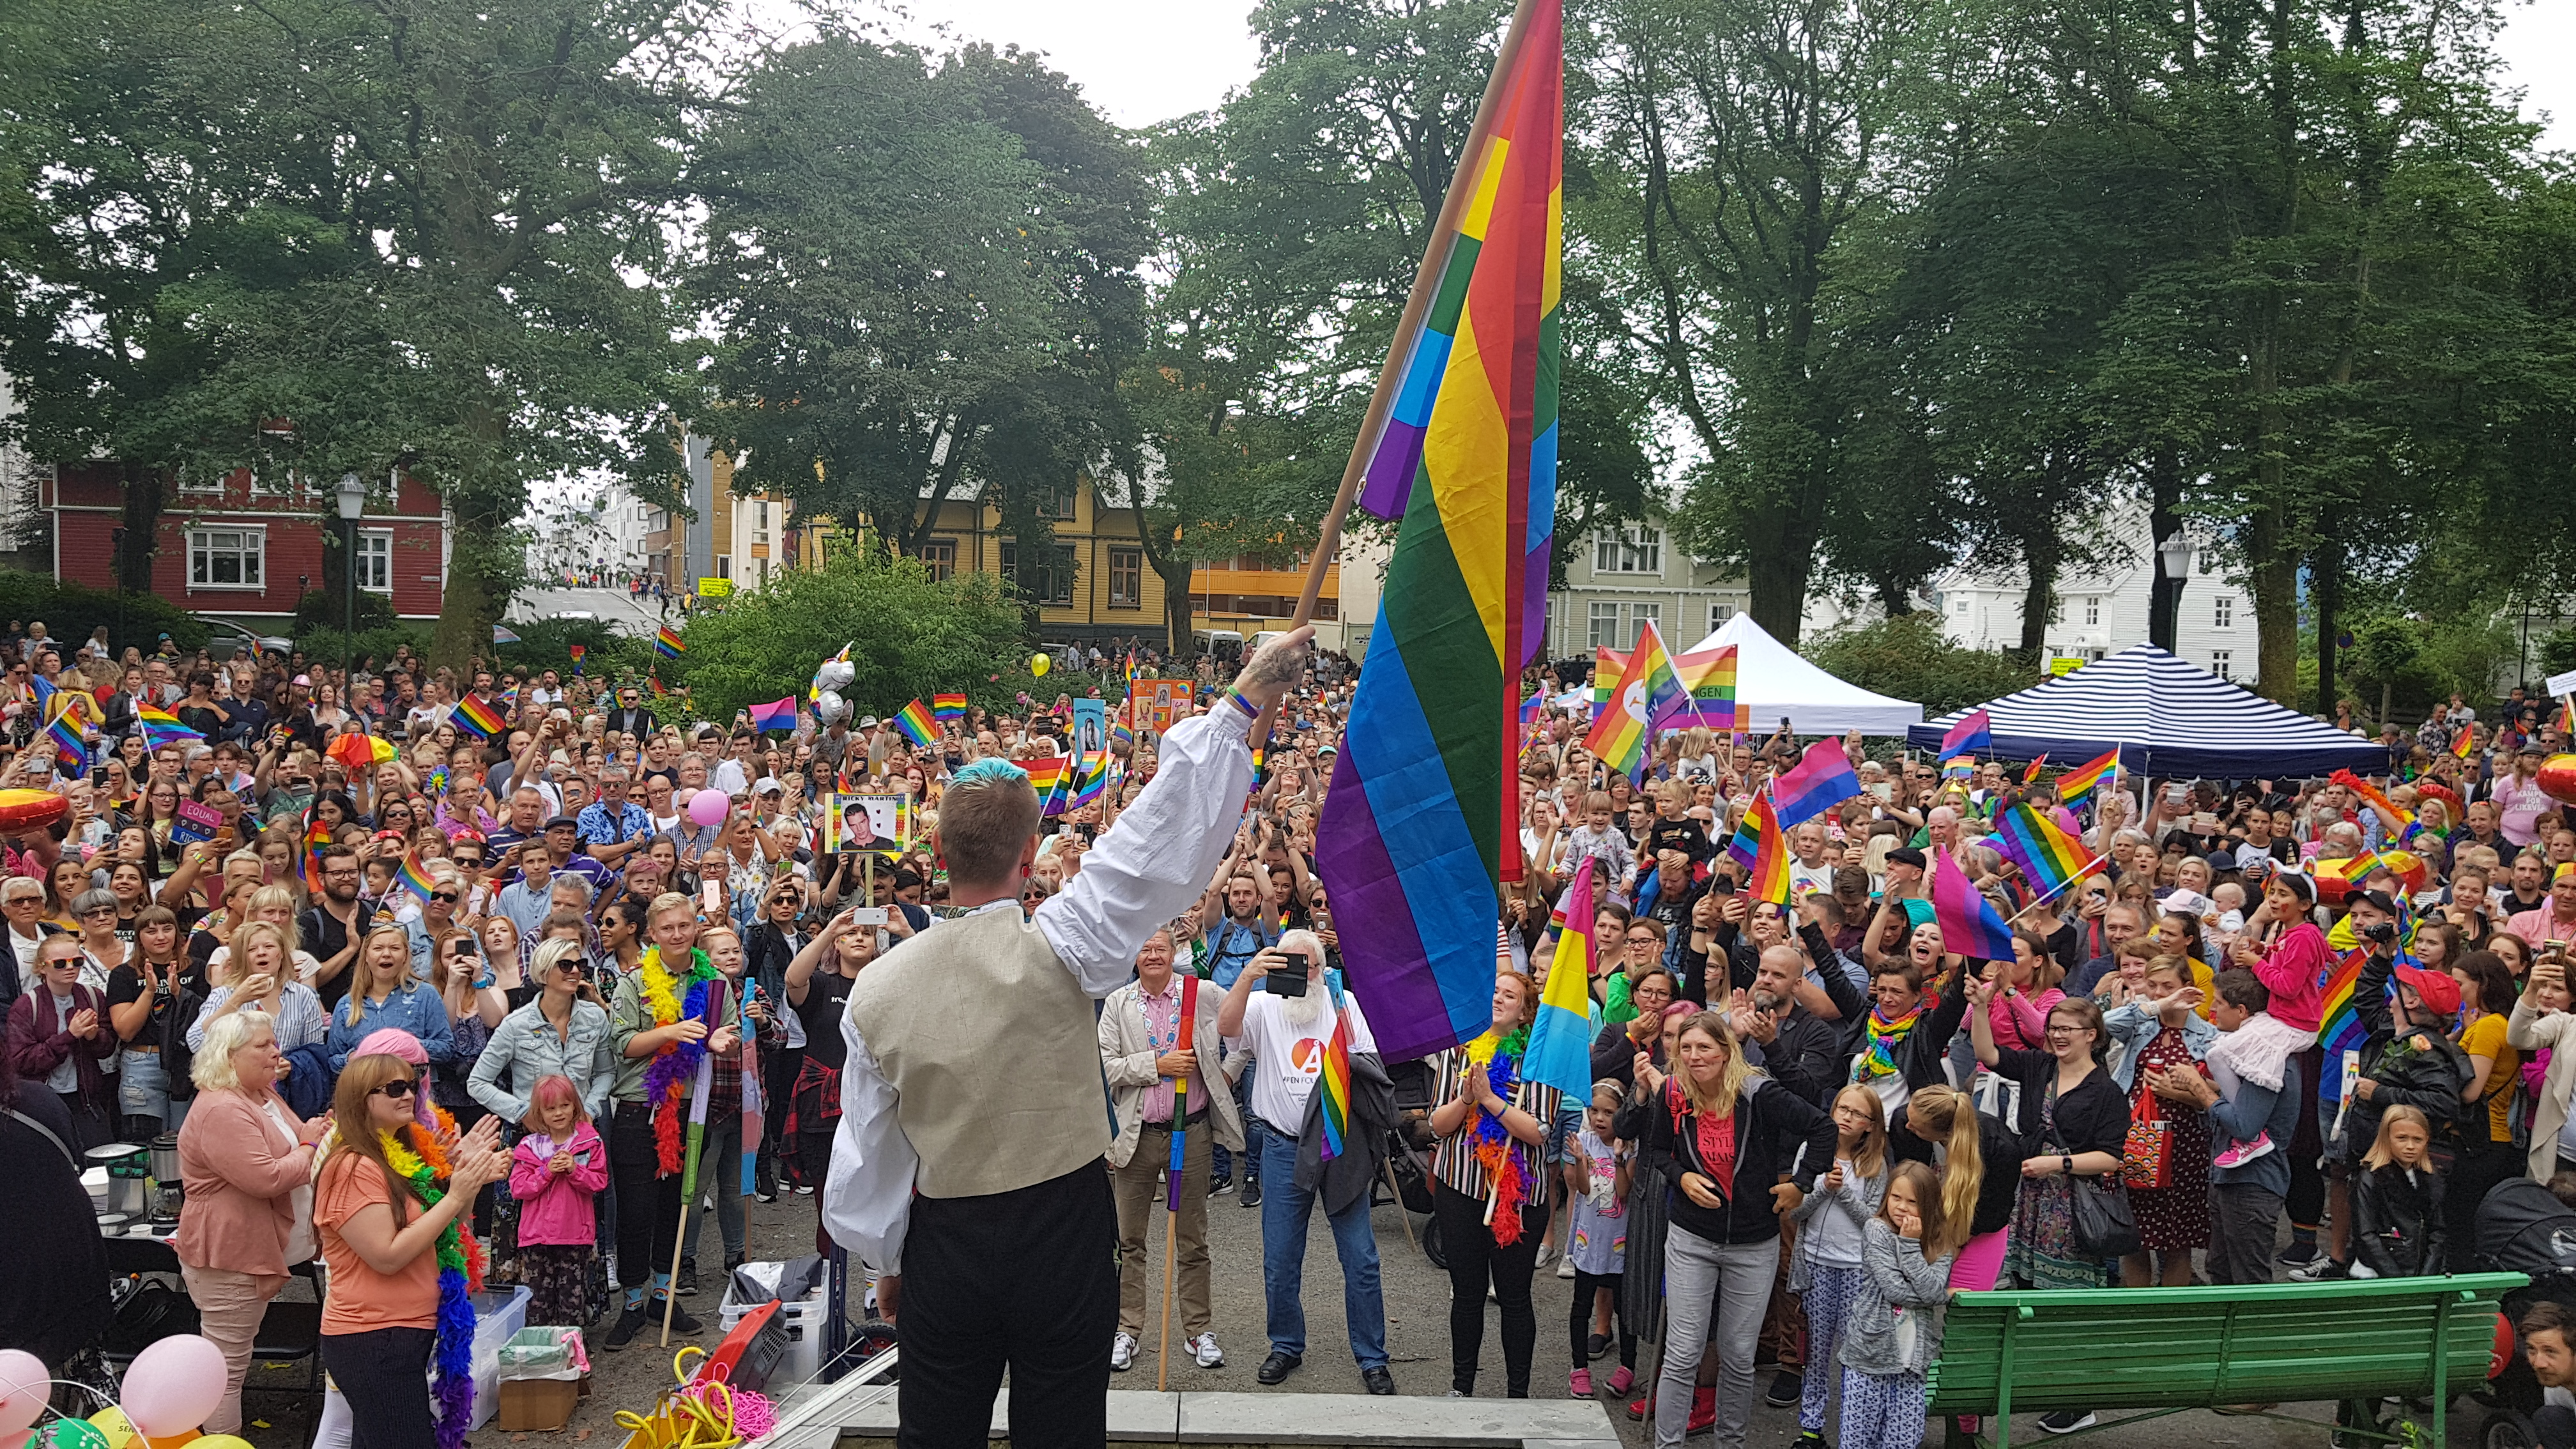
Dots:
pixel 226 640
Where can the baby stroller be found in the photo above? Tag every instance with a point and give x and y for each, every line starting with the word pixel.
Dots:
pixel 2522 1228
pixel 1408 1152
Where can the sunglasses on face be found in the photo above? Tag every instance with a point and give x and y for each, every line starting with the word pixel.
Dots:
pixel 444 898
pixel 398 1087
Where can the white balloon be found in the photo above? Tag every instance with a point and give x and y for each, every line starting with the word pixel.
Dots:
pixel 829 706
pixel 835 673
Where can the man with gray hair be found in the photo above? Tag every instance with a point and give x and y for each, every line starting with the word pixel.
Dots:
pixel 1286 1032
pixel 970 1167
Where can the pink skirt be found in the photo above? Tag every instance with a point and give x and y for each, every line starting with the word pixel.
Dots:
pixel 1979 1261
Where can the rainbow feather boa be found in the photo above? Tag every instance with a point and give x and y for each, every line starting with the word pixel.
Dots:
pixel 460 1275
pixel 1501 1058
pixel 675 1066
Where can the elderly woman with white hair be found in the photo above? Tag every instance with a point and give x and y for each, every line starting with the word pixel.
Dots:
pixel 246 1162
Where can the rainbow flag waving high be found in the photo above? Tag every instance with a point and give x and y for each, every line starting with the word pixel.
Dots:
pixel 1769 868
pixel 948 709
pixel 413 879
pixel 669 644
pixel 1607 665
pixel 1090 776
pixel 1708 676
pixel 1422 823
pixel 2049 857
pixel 476 718
pixel 1560 1040
pixel 1045 775
pixel 160 728
pixel 1649 692
pixel 2077 783
pixel 915 721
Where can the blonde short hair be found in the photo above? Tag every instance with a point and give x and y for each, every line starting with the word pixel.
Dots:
pixel 212 1070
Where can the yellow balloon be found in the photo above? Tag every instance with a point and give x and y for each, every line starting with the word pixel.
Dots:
pixel 219 1441
pixel 111 1422
pixel 1039 664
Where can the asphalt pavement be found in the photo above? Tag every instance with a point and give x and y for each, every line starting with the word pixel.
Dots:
pixel 1417 1311
pixel 612 606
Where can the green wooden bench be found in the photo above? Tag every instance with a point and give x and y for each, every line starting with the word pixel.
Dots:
pixel 2165 1350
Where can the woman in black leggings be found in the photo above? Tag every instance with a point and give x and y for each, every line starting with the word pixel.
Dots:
pixel 1489 1121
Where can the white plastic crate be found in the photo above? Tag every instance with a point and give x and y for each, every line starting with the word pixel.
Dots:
pixel 498 1317
pixel 803 1321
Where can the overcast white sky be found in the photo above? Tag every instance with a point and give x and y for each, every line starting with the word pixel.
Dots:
pixel 1150 60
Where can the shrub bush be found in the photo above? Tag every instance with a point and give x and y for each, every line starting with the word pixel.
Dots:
pixel 70 611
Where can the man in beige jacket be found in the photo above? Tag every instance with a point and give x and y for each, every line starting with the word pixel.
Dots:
pixel 1140 1053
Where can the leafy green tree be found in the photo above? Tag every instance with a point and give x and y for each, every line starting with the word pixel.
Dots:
pixel 1910 658
pixel 909 635
pixel 922 275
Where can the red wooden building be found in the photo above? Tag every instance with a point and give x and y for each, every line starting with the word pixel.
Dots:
pixel 238 549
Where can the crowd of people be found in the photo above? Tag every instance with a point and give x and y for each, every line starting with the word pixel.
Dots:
pixel 445 1004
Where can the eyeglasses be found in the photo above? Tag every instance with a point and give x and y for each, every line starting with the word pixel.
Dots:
pixel 398 1087
pixel 444 898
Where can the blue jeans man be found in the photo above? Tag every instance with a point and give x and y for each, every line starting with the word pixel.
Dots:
pixel 1284 1210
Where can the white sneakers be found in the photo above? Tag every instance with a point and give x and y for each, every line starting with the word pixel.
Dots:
pixel 1122 1352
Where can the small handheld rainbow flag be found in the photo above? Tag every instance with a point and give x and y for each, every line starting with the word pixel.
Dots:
pixel 577 652
pixel 776 715
pixel 359 751
pixel 413 879
pixel 1607 665
pixel 2077 783
pixel 2567 716
pixel 309 863
pixel 477 718
pixel 1185 1030
pixel 2050 858
pixel 654 683
pixel 1090 777
pixel 65 726
pixel 1046 775
pixel 669 644
pixel 1708 675
pixel 161 728
pixel 1334 1081
pixel 915 722
pixel 948 708
pixel 1647 693
pixel 2030 774
pixel 1769 878
pixel 2465 743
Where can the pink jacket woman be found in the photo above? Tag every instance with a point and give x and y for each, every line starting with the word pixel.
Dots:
pixel 555 1208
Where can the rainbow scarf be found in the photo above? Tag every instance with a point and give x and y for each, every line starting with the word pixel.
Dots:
pixel 1501 1058
pixel 460 1274
pixel 675 1066
pixel 1882 1035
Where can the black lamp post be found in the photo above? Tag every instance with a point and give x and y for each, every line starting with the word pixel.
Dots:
pixel 116 579
pixel 353 502
pixel 2176 554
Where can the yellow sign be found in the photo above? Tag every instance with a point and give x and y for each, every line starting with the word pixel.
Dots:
pixel 2065 665
pixel 715 588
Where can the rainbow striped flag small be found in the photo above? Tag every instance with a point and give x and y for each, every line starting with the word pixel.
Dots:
pixel 915 721
pixel 654 683
pixel 1046 775
pixel 1334 1080
pixel 948 708
pixel 161 728
pixel 477 718
pixel 413 879
pixel 2465 743
pixel 2049 858
pixel 2077 783
pixel 71 743
pixel 1769 878
pixel 669 644
pixel 1709 676
pixel 577 652
pixel 308 864
pixel 1090 777
pixel 2030 772
pixel 1607 665
pixel 775 715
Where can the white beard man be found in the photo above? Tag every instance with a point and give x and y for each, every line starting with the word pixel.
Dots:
pixel 969 1169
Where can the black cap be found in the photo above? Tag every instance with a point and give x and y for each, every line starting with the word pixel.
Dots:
pixel 2378 899
pixel 906 878
pixel 564 821
pixel 1908 855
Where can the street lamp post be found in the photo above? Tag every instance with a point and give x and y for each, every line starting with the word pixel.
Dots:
pixel 2175 553
pixel 353 502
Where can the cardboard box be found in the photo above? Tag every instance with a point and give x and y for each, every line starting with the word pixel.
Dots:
pixel 540 1404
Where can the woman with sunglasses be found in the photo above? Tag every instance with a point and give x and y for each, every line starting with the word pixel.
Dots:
pixel 385 992
pixel 559 1033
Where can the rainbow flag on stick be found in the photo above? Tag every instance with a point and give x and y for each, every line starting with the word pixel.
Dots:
pixel 1708 676
pixel 1648 693
pixel 915 721
pixel 668 643
pixel 1768 872
pixel 413 879
pixel 2465 743
pixel 65 723
pixel 2030 773
pixel 1090 777
pixel 948 709
pixel 1560 1040
pixel 2050 859
pixel 476 718
pixel 1045 775
pixel 1422 824
pixel 2077 783
pixel 160 728
pixel 1607 665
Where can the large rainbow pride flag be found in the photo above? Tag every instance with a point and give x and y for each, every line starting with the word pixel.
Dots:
pixel 1421 825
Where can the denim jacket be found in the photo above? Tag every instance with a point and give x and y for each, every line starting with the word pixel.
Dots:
pixel 524 1047
pixel 2133 1024
pixel 415 1009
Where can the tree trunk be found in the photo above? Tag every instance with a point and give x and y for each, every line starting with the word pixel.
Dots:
pixel 477 589
pixel 133 562
pixel 1778 579
pixel 2038 601
pixel 2164 520
pixel 2274 578
pixel 2325 566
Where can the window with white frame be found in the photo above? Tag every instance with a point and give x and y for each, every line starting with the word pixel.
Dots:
pixel 1718 614
pixel 2220 664
pixel 227 558
pixel 2093 610
pixel 1638 550
pixel 375 561
pixel 1639 616
pixel 2222 612
pixel 1604 627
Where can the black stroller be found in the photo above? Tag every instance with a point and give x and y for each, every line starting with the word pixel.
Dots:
pixel 2522 1228
pixel 1408 1153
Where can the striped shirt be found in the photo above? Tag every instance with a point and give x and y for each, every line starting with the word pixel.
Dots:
pixel 1453 1160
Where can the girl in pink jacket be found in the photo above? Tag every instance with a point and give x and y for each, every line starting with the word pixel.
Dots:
pixel 2299 961
pixel 554 1172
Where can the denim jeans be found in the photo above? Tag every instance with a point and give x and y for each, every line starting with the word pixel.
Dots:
pixel 1284 1210
pixel 719 1173
pixel 1223 1161
pixel 143 1090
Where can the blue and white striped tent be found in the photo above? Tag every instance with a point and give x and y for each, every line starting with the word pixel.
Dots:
pixel 2167 717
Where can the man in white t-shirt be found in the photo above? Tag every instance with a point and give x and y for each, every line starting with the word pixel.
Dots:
pixel 1287 1036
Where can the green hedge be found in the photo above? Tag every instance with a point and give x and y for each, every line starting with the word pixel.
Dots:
pixel 70 611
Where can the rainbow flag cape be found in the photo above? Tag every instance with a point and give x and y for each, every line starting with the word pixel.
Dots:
pixel 948 708
pixel 915 721
pixel 668 643
pixel 2075 784
pixel 160 728
pixel 1560 1040
pixel 2050 859
pixel 1975 731
pixel 476 718
pixel 1649 693
pixel 1822 779
pixel 1768 879
pixel 1422 823
pixel 776 715
pixel 1607 665
pixel 1708 676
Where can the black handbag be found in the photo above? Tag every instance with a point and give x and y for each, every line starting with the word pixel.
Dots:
pixel 2105 1225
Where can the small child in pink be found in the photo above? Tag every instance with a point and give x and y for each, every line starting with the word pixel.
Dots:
pixel 554 1172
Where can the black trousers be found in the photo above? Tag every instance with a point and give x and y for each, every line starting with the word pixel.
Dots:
pixel 1473 1259
pixel 384 1374
pixel 648 1203
pixel 1024 1280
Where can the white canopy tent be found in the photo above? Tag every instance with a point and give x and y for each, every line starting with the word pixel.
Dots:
pixel 1772 682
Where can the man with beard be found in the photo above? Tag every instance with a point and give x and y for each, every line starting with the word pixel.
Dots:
pixel 330 929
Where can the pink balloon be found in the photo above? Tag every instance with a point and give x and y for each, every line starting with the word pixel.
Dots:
pixel 173 1385
pixel 709 807
pixel 24 1387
